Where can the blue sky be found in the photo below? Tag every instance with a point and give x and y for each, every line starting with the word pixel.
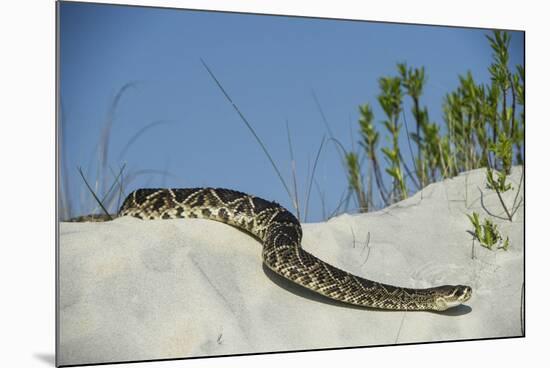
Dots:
pixel 269 65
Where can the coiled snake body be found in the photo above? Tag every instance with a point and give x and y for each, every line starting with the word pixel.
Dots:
pixel 281 234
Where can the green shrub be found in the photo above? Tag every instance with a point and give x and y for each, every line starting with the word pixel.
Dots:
pixel 483 126
pixel 488 234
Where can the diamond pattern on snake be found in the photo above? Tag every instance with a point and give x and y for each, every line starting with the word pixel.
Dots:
pixel 281 233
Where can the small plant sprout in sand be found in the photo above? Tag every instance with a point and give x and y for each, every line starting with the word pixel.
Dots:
pixel 499 184
pixel 488 234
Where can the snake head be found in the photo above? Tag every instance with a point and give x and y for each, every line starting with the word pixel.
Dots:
pixel 449 296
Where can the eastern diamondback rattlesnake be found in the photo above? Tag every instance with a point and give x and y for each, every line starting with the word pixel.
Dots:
pixel 281 234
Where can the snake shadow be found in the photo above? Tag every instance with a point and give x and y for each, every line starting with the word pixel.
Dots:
pixel 311 295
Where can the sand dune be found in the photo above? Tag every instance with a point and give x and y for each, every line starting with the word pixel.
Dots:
pixel 132 289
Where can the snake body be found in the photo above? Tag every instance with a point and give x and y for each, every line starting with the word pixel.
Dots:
pixel 280 233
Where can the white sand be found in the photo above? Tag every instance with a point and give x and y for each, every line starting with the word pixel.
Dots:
pixel 132 289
